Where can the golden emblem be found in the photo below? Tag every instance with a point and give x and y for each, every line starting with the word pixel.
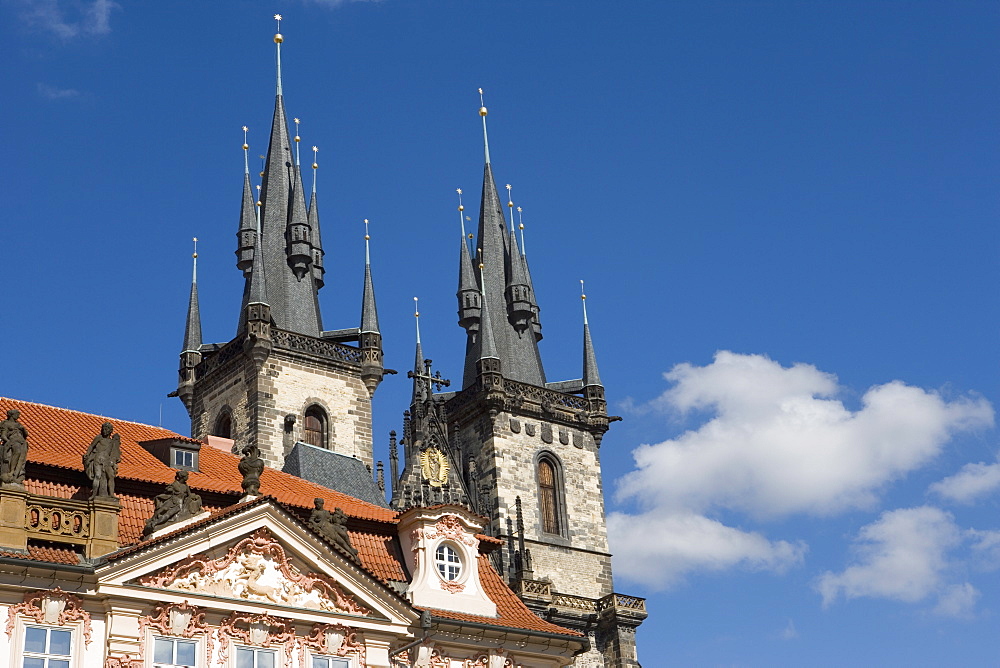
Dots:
pixel 434 466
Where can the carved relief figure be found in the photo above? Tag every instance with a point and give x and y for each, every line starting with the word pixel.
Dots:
pixel 13 449
pixel 176 503
pixel 100 462
pixel 251 466
pixel 434 466
pixel 332 526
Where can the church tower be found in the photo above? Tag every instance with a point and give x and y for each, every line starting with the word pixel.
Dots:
pixel 527 451
pixel 283 378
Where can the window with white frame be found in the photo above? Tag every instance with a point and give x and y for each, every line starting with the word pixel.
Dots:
pixel 330 662
pixel 249 657
pixel 46 647
pixel 448 563
pixel 174 653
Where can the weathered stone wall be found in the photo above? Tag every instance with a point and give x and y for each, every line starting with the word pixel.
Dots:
pixel 287 384
pixel 576 560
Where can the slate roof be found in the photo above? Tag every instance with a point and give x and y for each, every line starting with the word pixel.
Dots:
pixel 334 470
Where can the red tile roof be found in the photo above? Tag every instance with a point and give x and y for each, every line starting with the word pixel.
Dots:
pixel 511 611
pixel 59 437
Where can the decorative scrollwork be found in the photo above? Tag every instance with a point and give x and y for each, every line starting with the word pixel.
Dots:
pixel 55 607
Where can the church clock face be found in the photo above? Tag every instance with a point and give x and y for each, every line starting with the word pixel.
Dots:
pixel 434 466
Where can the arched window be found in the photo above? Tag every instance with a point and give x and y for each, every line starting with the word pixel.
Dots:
pixel 315 427
pixel 223 425
pixel 550 496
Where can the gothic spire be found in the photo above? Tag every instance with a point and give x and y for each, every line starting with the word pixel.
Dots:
pixel 317 245
pixel 487 346
pixel 257 287
pixel 246 236
pixel 469 297
pixel 192 330
pixel 591 377
pixel 536 323
pixel 285 233
pixel 369 314
pixel 418 359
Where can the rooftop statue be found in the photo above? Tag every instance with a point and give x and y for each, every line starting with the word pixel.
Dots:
pixel 177 503
pixel 332 526
pixel 251 466
pixel 100 462
pixel 13 450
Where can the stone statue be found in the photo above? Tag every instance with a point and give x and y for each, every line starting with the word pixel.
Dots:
pixel 177 503
pixel 251 466
pixel 332 526
pixel 13 449
pixel 100 462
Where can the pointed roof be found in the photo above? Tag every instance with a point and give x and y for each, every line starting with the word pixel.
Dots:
pixel 369 312
pixel 418 361
pixel 487 345
pixel 248 221
pixel 192 329
pixel 590 374
pixel 257 288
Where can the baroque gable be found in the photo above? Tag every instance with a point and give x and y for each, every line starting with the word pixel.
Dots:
pixel 258 569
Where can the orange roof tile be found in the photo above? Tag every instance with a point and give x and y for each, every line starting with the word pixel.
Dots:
pixel 59 437
pixel 511 611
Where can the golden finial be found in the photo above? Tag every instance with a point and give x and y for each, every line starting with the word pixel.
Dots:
pixel 416 307
pixel 479 251
pixel 461 216
pixel 195 253
pixel 246 156
pixel 583 299
pixel 520 222
pixel 468 219
pixel 486 139
pixel 366 230
pixel 510 207
pixel 315 162
pixel 278 39
pixel 297 137
pixel 262 159
pixel 258 194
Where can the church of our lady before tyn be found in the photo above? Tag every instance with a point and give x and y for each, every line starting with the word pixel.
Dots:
pixel 267 539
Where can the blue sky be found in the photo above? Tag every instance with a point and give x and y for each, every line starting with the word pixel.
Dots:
pixel 786 215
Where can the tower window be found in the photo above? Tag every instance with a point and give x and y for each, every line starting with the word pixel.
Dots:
pixel 223 425
pixel 550 496
pixel 316 427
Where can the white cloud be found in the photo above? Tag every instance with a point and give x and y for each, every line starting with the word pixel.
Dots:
pixel 775 441
pixel 659 549
pixel 67 19
pixel 970 484
pixel 789 632
pixel 903 556
pixel 778 443
pixel 53 93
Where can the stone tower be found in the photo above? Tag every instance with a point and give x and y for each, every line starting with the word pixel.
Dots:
pixel 283 378
pixel 526 451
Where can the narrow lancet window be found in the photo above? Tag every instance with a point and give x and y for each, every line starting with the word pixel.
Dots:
pixel 315 427
pixel 548 491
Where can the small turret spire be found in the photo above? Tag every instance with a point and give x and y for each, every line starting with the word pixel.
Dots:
pixel 510 208
pixel 318 270
pixel 418 358
pixel 486 139
pixel 591 377
pixel 297 140
pixel 246 235
pixel 487 347
pixel 192 330
pixel 469 297
pixel 257 291
pixel 369 313
pixel 278 39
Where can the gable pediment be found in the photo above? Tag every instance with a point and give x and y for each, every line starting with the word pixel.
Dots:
pixel 257 568
pixel 260 558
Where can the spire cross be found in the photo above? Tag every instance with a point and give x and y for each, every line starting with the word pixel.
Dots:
pixel 315 167
pixel 510 207
pixel 583 298
pixel 246 147
pixel 297 140
pixel 416 316
pixel 427 378
pixel 486 139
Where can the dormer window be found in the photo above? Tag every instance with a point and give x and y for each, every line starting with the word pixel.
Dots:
pixel 448 563
pixel 184 459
